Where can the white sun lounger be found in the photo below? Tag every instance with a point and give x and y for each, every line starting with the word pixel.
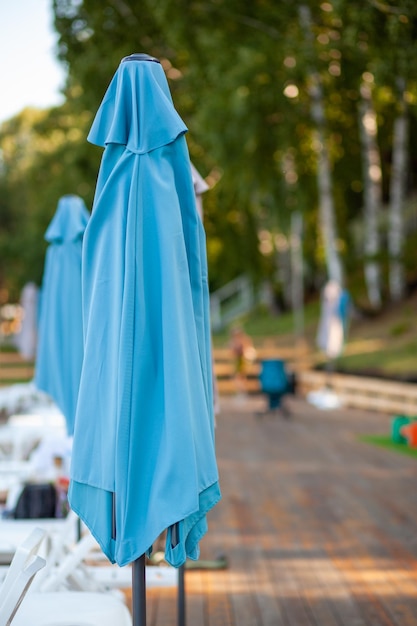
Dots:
pixel 25 564
pixel 63 608
pixel 72 608
pixel 58 531
pixel 23 432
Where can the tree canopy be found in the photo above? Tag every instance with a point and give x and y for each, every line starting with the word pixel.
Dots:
pixel 241 75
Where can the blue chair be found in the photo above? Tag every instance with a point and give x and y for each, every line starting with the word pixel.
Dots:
pixel 275 383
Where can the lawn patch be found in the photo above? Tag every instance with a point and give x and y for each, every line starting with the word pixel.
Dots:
pixel 385 441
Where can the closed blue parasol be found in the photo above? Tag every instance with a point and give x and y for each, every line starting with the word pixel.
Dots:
pixel 60 337
pixel 143 455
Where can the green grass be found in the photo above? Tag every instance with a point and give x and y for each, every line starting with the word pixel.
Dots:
pixel 390 359
pixel 385 441
pixel 7 347
pixel 261 325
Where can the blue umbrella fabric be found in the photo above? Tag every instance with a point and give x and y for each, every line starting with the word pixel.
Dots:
pixel 144 455
pixel 60 336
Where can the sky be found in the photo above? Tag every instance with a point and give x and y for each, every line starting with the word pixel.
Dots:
pixel 29 73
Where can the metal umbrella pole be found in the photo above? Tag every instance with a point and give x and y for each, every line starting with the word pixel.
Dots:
pixel 139 592
pixel 181 596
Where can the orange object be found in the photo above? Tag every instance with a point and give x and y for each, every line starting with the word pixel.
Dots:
pixel 409 432
pixel 62 482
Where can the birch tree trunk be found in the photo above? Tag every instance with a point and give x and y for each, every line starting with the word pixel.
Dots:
pixel 295 281
pixel 372 197
pixel 324 181
pixel 397 282
pixel 297 286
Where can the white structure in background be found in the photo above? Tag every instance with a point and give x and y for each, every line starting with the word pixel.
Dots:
pixel 200 186
pixel 330 335
pixel 26 339
pixel 233 300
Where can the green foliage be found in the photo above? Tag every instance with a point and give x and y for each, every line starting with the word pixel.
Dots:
pixel 240 74
pixel 43 156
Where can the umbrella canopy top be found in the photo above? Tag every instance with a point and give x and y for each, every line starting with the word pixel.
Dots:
pixel 137 110
pixel 140 56
pixel 69 221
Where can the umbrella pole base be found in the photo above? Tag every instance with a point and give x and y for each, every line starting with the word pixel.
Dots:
pixel 139 592
pixel 181 596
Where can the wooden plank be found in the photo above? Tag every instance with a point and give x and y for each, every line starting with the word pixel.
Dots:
pixel 286 353
pixel 13 368
pixel 228 369
pixel 228 387
pixel 12 358
pixel 378 404
pixel 16 373
pixel 359 383
pixel 196 598
pixel 161 606
pixel 362 392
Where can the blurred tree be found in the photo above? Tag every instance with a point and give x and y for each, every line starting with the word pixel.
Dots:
pixel 231 108
pixel 327 217
pixel 240 74
pixel 240 61
pixel 380 40
pixel 399 69
pixel 41 159
pixel 360 27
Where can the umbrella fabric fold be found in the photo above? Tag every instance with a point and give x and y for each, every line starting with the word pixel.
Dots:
pixel 60 336
pixel 144 455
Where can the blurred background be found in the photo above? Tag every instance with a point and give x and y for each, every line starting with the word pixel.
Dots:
pixel 302 122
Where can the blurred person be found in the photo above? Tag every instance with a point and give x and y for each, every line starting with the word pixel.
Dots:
pixel 244 353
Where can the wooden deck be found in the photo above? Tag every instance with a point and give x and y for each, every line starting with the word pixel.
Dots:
pixel 319 528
